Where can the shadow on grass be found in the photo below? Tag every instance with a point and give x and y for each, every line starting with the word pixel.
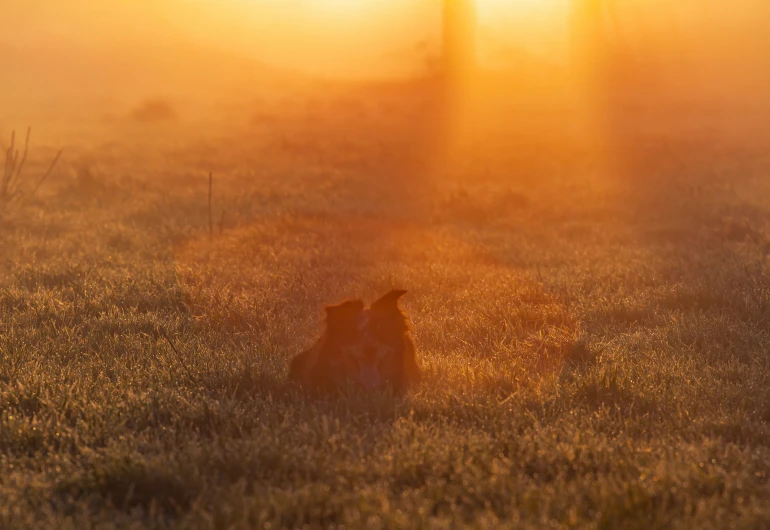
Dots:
pixel 127 484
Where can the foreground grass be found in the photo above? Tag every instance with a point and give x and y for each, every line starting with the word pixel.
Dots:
pixel 595 349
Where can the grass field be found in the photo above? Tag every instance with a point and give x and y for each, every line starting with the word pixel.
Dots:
pixel 594 329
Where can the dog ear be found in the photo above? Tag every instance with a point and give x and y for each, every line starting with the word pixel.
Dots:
pixel 345 310
pixel 390 300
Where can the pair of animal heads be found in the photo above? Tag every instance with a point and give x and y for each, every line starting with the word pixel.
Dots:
pixel 366 344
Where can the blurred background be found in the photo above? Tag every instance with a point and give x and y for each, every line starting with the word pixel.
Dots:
pixel 116 48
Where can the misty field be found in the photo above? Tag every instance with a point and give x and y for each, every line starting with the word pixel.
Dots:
pixel 592 317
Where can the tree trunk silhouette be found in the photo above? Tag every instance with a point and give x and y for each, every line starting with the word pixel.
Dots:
pixel 588 33
pixel 459 37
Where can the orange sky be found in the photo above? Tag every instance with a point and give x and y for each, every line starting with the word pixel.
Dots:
pixel 324 36
pixel 361 37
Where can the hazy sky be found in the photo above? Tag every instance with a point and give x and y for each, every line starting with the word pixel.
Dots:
pixel 320 35
pixel 354 36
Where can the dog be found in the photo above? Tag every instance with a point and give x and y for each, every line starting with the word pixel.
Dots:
pixel 314 367
pixel 368 349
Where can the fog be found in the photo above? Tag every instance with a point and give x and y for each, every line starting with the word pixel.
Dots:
pixel 119 49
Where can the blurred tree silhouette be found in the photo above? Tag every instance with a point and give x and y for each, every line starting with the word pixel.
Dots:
pixel 459 37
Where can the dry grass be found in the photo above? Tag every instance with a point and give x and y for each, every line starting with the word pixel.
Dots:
pixel 595 345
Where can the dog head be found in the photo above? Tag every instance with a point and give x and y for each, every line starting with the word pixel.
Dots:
pixel 342 327
pixel 385 322
pixel 371 357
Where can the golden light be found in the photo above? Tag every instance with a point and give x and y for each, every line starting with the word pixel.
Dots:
pixel 517 11
pixel 506 4
pixel 342 8
pixel 359 37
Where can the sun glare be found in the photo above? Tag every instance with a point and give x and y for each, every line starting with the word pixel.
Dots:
pixel 368 37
